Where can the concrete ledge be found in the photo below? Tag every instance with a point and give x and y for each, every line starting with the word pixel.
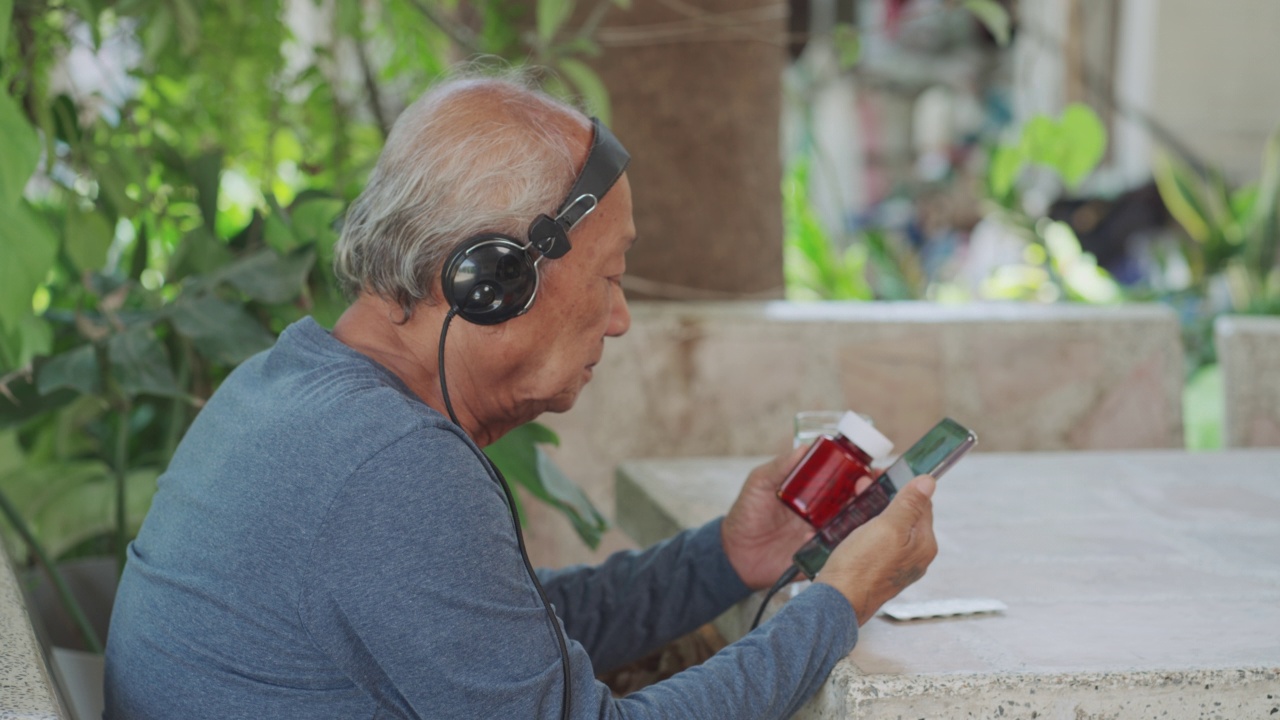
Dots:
pixel 726 378
pixel 27 691
pixel 1249 355
pixel 1204 695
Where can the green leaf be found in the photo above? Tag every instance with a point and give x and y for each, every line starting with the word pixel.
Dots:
pixel 156 34
pixel 313 222
pixel 1084 140
pixel 1006 165
pixel 221 331
pixel 587 521
pixel 519 458
pixel 848 45
pixel 77 502
pixel 65 123
pixel 32 337
pixel 1182 193
pixel 21 401
pixel 28 249
pixel 205 171
pixel 581 46
pixel 993 15
pixel 551 16
pixel 6 14
pixel 33 488
pixel 20 148
pixel 140 363
pixel 187 17
pixel 1243 201
pixel 1202 409
pixel 269 277
pixel 624 4
pixel 199 253
pixel 11 455
pixel 594 94
pixel 1042 140
pixel 277 233
pixel 75 369
pixel 87 238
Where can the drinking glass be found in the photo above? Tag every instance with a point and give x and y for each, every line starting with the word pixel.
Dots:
pixel 809 424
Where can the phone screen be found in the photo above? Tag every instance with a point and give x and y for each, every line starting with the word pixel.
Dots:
pixel 933 454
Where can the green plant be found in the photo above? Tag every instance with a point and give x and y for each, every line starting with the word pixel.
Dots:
pixel 814 268
pixel 874 263
pixel 1231 238
pixel 163 228
pixel 1054 265
pixel 1233 234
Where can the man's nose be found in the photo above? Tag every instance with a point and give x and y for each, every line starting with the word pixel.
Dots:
pixel 620 315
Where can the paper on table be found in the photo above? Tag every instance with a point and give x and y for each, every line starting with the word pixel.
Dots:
pixel 941 608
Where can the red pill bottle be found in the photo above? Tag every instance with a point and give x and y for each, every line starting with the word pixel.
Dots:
pixel 824 479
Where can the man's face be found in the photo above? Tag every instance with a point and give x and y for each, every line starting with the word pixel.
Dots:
pixel 557 343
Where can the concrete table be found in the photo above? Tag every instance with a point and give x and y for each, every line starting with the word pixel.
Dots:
pixel 1139 584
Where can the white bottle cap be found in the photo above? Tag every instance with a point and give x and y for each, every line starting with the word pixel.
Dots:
pixel 864 435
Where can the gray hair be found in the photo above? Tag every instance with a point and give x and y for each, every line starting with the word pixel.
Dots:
pixel 472 155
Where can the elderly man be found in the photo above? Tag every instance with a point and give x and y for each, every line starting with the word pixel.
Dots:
pixel 329 540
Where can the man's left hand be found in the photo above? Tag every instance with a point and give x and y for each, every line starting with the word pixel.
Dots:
pixel 760 534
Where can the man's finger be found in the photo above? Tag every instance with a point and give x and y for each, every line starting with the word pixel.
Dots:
pixel 914 501
pixel 776 469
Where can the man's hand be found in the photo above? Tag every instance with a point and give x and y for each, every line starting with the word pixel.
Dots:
pixel 887 554
pixel 760 534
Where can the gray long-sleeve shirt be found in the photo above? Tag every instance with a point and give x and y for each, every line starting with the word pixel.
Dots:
pixel 324 545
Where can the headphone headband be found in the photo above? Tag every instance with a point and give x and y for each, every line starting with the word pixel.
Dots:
pixel 605 163
pixel 492 278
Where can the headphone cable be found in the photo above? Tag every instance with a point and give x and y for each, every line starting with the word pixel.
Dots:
pixel 566 702
pixel 787 577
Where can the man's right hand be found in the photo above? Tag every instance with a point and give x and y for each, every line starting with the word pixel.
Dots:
pixel 887 554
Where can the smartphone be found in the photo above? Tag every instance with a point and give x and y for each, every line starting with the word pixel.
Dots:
pixel 933 454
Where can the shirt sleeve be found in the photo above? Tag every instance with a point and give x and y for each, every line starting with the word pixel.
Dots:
pixel 418 593
pixel 636 601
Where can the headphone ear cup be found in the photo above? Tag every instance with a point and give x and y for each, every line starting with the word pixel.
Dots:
pixel 489 279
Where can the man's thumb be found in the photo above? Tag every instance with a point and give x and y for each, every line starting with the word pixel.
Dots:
pixel 925 484
pixel 915 499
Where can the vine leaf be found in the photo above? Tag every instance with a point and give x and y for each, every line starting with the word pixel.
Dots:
pixel 221 331
pixel 140 363
pixel 76 369
pixel 269 277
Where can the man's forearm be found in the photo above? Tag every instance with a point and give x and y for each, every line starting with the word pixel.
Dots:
pixel 635 601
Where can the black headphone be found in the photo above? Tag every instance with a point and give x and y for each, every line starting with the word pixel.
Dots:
pixel 491 277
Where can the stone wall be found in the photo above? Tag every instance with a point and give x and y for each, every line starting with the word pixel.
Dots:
pixel 693 379
pixel 1249 355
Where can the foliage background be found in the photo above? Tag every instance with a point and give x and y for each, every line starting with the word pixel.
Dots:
pixel 172 174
